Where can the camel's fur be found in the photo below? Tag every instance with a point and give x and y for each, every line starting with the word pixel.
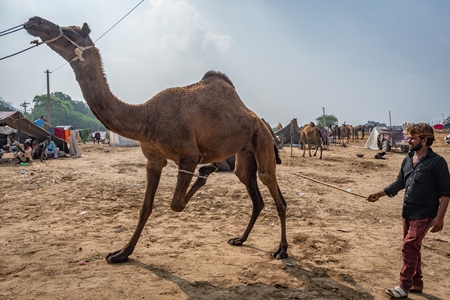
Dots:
pixel 197 124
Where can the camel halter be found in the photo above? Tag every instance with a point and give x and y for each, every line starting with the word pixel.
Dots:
pixel 78 50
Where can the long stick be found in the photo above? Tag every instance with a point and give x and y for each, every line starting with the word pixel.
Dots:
pixel 329 185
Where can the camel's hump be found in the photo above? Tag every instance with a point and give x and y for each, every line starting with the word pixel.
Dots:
pixel 218 74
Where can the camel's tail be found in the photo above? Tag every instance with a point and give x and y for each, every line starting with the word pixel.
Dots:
pixel 277 154
pixel 323 139
pixel 276 142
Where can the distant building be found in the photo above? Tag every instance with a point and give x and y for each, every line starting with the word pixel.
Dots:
pixel 373 123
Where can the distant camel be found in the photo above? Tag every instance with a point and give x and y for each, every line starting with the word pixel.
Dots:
pixel 358 129
pixel 201 123
pixel 351 132
pixel 311 132
pixel 345 132
pixel 336 133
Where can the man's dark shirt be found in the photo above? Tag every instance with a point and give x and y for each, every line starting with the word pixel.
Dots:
pixel 424 185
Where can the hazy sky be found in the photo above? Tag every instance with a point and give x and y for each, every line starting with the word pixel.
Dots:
pixel 357 59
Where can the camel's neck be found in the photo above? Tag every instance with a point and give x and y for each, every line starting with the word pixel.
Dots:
pixel 112 112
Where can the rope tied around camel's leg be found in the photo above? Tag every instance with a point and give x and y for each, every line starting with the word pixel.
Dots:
pixel 193 174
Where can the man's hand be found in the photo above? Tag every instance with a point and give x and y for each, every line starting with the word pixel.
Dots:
pixel 437 224
pixel 374 197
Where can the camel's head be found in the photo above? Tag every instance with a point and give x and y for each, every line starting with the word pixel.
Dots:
pixel 69 42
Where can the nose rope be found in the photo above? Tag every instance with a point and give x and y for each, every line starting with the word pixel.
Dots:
pixel 78 50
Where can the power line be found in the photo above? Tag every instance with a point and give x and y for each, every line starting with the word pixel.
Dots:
pixel 106 31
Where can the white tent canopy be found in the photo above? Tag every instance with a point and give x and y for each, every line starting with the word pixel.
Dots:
pixel 373 141
pixel 116 139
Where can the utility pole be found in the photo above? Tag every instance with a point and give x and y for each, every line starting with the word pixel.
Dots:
pixel 49 117
pixel 390 124
pixel 324 118
pixel 24 105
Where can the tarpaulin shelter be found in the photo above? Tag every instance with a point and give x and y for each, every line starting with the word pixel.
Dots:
pixel 288 134
pixel 28 129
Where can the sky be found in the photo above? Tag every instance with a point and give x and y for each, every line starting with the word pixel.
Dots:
pixel 359 60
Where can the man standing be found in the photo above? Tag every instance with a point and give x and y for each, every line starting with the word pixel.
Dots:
pixel 425 176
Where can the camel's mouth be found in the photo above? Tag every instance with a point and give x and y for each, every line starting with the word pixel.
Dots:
pixel 37 25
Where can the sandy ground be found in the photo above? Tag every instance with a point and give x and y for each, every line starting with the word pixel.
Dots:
pixel 60 218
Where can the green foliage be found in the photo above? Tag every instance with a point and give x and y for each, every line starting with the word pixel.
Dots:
pixel 329 119
pixel 65 111
pixel 5 106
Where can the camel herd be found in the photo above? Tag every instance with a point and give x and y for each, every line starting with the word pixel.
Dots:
pixel 316 136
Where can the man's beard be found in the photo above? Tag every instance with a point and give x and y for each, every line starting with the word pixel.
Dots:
pixel 415 148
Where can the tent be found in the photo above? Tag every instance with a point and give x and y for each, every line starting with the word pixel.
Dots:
pixel 393 137
pixel 372 141
pixel 28 129
pixel 288 134
pixel 116 139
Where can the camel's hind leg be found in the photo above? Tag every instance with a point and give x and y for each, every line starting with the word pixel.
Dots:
pixel 246 168
pixel 265 160
pixel 153 176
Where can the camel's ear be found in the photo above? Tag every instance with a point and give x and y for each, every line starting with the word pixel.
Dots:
pixel 85 30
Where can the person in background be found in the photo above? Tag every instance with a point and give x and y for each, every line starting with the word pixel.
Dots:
pixel 49 148
pixel 24 153
pixel 97 137
pixel 425 177
pixel 37 149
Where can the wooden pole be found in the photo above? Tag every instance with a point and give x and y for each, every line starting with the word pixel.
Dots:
pixel 329 185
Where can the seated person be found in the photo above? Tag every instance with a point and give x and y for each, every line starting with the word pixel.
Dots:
pixel 447 139
pixel 37 149
pixel 24 153
pixel 49 148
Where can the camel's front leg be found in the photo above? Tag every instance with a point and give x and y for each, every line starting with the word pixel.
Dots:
pixel 153 177
pixel 185 172
pixel 203 174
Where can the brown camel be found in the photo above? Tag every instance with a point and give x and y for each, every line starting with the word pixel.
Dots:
pixel 312 132
pixel 200 123
pixel 336 133
pixel 345 133
pixel 351 131
pixel 358 129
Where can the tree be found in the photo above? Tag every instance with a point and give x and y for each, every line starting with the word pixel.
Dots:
pixel 6 106
pixel 330 119
pixel 65 111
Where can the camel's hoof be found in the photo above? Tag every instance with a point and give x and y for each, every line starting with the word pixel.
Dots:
pixel 280 254
pixel 116 257
pixel 235 242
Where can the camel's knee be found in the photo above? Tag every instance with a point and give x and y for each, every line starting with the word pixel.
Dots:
pixel 264 176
